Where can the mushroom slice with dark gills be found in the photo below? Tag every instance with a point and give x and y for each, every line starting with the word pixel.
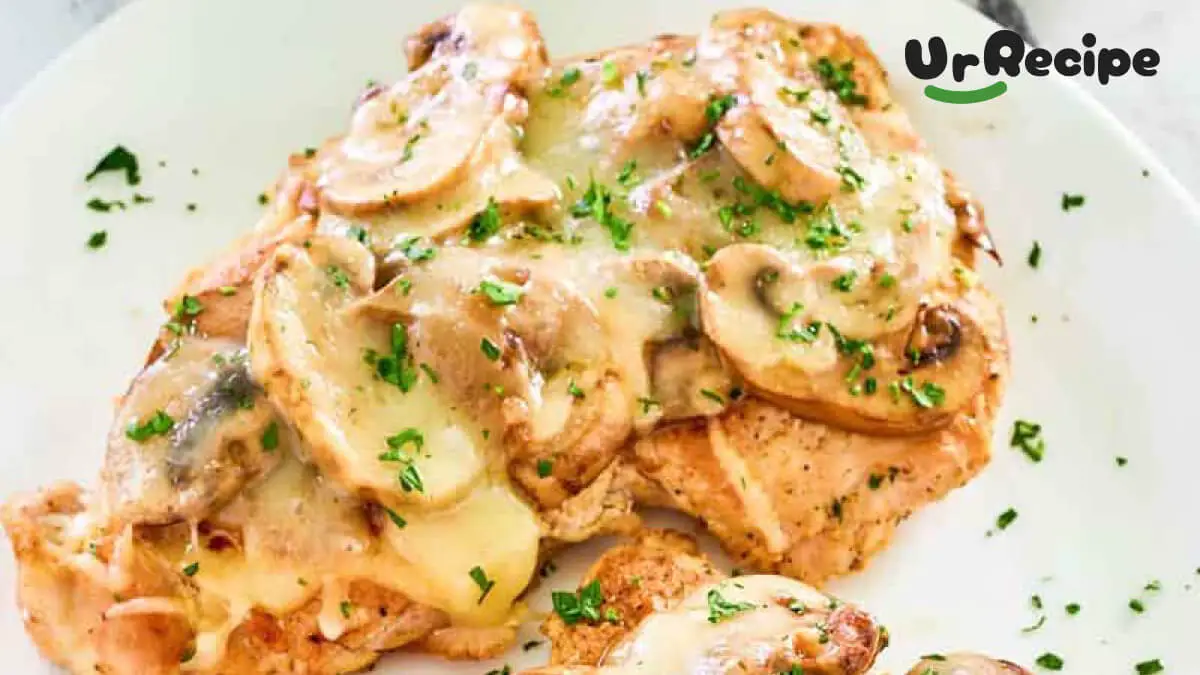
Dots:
pixel 965 664
pixel 419 137
pixel 524 354
pixel 193 430
pixel 798 345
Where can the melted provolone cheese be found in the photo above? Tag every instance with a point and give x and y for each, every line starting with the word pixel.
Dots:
pixel 695 639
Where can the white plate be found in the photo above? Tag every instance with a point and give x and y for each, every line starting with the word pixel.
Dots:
pixel 230 87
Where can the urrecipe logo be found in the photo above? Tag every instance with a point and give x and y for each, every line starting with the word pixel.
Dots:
pixel 1005 51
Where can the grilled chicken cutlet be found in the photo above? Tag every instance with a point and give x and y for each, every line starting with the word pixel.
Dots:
pixel 657 606
pixel 515 301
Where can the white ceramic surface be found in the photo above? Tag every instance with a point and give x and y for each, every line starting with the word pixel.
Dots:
pixel 230 87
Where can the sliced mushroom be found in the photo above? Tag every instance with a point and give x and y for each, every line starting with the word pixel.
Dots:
pixel 523 352
pixel 371 418
pixel 404 145
pixel 965 664
pixel 502 40
pixel 499 186
pixel 188 436
pixel 418 138
pixel 222 290
pixel 788 342
pixel 779 108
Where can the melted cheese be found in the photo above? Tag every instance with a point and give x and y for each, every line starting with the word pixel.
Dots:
pixel 684 639
pixel 301 536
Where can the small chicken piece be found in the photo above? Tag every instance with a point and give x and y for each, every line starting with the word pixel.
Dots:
pixel 801 498
pixel 666 610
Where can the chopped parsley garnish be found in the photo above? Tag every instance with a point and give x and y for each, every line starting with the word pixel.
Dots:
pixel 359 233
pixel 1006 519
pixel 191 570
pixel 397 519
pixel 118 159
pixel 544 468
pixel 574 390
pixel 396 368
pixel 412 249
pixel 887 280
pixel 720 609
pixel 852 181
pixel 270 437
pixel 409 146
pixel 610 292
pixel 628 175
pixel 712 396
pixel 431 373
pixel 97 240
pixel 610 74
pixel 793 95
pixel 826 232
pixel 1050 661
pixel 486 223
pixel 501 292
pixel 159 424
pixel 263 199
pixel 1073 608
pixel 642 77
pixel 1070 201
pixel 482 581
pixel 569 77
pixel 581 606
pixel 406 437
pixel 1027 436
pixel 530 645
pixel 820 116
pixel 647 404
pixel 489 349
pixel 338 276
pixel 874 481
pixel 1122 461
pixel 1137 605
pixel 410 479
pixel 787 331
pixel 345 608
pixel 596 203
pixel 1035 255
pixel 715 109
pixel 928 395
pixel 101 206
pixel 1149 667
pixel 840 80
pixel 845 282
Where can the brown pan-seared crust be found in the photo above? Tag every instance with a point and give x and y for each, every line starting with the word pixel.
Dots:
pixel 802 498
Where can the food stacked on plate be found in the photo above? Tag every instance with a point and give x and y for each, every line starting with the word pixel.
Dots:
pixel 515 302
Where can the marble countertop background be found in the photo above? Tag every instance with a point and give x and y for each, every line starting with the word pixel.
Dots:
pixel 1164 111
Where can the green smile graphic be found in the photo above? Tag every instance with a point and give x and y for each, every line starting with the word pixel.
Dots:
pixel 968 96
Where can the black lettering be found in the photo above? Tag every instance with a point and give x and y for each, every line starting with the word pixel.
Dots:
pixel 1037 62
pixel 1089 61
pixel 1113 63
pixel 961 63
pixel 1145 62
pixel 1066 62
pixel 993 57
pixel 916 63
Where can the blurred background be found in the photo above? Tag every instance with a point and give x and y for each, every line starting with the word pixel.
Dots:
pixel 1164 111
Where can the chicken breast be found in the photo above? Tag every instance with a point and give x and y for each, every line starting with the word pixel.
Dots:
pixel 720 274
